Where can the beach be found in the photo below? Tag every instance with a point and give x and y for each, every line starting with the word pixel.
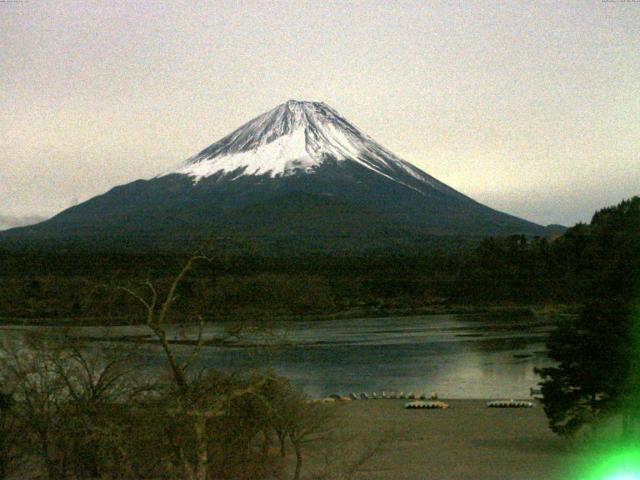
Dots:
pixel 465 441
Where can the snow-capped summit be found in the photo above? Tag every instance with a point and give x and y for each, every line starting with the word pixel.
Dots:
pixel 295 137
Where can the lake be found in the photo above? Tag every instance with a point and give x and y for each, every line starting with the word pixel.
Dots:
pixel 457 356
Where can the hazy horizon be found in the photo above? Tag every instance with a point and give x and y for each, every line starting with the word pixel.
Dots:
pixel 529 108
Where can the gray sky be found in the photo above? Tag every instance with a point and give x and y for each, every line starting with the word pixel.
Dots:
pixel 530 107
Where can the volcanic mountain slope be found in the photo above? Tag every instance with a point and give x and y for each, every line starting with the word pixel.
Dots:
pixel 299 175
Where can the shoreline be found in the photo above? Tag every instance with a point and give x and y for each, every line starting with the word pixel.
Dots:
pixel 352 314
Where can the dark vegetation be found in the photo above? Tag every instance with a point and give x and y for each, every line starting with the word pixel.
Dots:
pixel 82 285
pixel 514 270
pixel 598 352
pixel 73 413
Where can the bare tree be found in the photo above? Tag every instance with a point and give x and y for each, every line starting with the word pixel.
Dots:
pixel 63 396
pixel 196 404
pixel 157 312
pixel 196 400
pixel 7 434
pixel 27 369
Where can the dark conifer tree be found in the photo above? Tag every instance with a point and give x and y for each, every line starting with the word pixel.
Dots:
pixel 598 354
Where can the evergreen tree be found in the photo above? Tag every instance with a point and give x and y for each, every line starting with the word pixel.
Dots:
pixel 594 358
pixel 598 354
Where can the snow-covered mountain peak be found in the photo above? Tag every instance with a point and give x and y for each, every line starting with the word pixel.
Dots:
pixel 295 137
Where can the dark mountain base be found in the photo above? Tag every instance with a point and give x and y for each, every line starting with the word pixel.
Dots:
pixel 340 209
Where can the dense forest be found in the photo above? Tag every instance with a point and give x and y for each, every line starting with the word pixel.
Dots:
pixel 504 271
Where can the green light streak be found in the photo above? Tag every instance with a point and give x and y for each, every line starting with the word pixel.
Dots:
pixel 619 459
pixel 618 464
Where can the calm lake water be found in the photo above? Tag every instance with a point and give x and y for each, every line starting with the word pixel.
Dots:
pixel 457 356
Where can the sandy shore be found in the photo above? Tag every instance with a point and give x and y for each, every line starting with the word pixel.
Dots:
pixel 466 441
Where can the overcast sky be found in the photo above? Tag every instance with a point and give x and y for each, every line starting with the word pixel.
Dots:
pixel 530 107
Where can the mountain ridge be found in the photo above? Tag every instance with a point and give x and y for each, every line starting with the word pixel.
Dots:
pixel 299 172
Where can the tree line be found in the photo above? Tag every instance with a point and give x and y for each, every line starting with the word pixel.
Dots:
pixel 507 270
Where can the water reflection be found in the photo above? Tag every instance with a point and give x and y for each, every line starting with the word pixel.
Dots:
pixel 457 356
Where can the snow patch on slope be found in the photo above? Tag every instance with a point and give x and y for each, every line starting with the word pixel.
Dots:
pixel 296 137
pixel 282 156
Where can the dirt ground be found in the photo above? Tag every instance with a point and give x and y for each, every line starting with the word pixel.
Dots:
pixel 466 441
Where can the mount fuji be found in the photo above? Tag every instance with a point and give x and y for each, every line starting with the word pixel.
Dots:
pixel 298 177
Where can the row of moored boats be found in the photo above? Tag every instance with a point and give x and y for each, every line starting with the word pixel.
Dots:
pixel 421 401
